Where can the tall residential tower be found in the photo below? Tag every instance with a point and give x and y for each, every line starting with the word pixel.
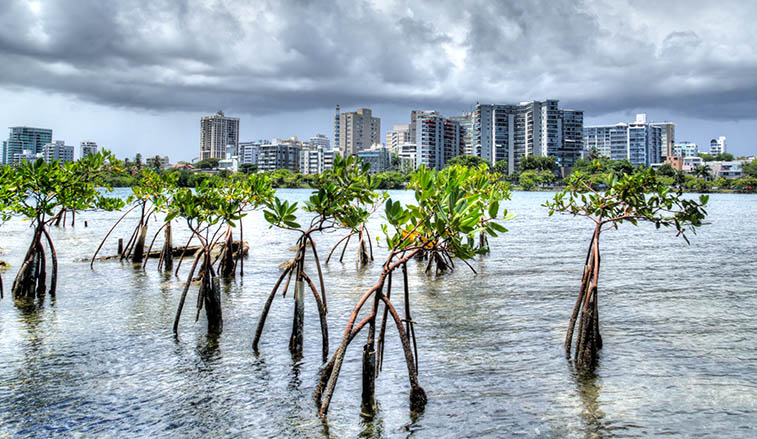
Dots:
pixel 358 130
pixel 217 132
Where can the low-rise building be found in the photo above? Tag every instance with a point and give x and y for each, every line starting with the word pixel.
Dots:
pixel 730 169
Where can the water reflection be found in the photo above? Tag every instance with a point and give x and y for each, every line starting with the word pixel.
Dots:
pixel 588 387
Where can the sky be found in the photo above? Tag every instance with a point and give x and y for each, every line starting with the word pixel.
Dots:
pixel 136 76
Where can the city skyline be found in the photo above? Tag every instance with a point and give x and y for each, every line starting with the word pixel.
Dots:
pixel 150 74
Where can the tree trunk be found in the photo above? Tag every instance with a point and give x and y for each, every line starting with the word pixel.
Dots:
pixel 369 378
pixel 298 321
pixel 589 340
pixel 168 249
pixel 139 248
pixel 227 260
pixel 212 298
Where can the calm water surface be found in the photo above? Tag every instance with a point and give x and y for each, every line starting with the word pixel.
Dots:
pixel 679 325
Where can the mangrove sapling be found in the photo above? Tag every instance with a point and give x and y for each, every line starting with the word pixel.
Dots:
pixel 445 218
pixel 484 188
pixel 148 196
pixel 363 237
pixel 338 202
pixel 211 213
pixel 36 190
pixel 630 198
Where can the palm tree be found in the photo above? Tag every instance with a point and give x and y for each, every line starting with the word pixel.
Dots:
pixel 704 172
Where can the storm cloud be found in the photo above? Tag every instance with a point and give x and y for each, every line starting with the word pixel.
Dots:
pixel 696 58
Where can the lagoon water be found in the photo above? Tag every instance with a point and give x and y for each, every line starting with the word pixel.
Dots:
pixel 679 324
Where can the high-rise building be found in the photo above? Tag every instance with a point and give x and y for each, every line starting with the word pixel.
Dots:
pixel 667 138
pixel 358 130
pixel 58 150
pixel 717 146
pixel 336 128
pixel 539 128
pixel 466 124
pixel 87 148
pixel 28 139
pixel 437 139
pixel 399 135
pixel 639 141
pixel 217 132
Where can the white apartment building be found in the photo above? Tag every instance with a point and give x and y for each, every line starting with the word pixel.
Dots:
pixel 248 152
pixel 686 149
pixel 58 150
pixel 437 139
pixel 667 138
pixel 639 142
pixel 540 128
pixel 717 146
pixel 216 132
pixel 399 135
pixel 87 148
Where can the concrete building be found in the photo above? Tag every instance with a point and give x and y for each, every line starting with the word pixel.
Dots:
pixel 399 135
pixel 248 152
pixel 717 146
pixel 730 170
pixel 466 124
pixel 26 155
pixel 539 128
pixel 320 141
pixel 24 141
pixel 686 149
pixel 216 133
pixel 58 150
pixel 667 138
pixel 691 163
pixel 358 130
pixel 280 154
pixel 638 141
pixel 87 148
pixel 336 128
pixel 378 156
pixel 316 158
pixel 437 139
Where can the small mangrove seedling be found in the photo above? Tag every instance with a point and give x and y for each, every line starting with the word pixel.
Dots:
pixel 628 198
pixel 211 212
pixel 149 195
pixel 36 190
pixel 364 244
pixel 446 219
pixel 337 202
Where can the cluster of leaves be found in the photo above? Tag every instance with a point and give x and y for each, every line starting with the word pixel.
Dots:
pixel 532 178
pixel 447 216
pixel 632 198
pixel 219 201
pixel 537 163
pixel 340 199
pixel 36 189
pixel 722 157
pixel 154 187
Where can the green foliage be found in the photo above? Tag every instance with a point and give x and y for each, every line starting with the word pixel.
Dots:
pixel 703 171
pixel 746 184
pixel 36 189
pixel 500 167
pixel 467 160
pixel 390 180
pixel 722 182
pixel 631 198
pixel 537 163
pixel 750 169
pixel 154 187
pixel 217 200
pixel 722 157
pixel 339 200
pixel 209 163
pixel 248 168
pixel 666 170
pixel 453 207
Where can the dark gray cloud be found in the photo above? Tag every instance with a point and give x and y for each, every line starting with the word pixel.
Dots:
pixel 692 57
